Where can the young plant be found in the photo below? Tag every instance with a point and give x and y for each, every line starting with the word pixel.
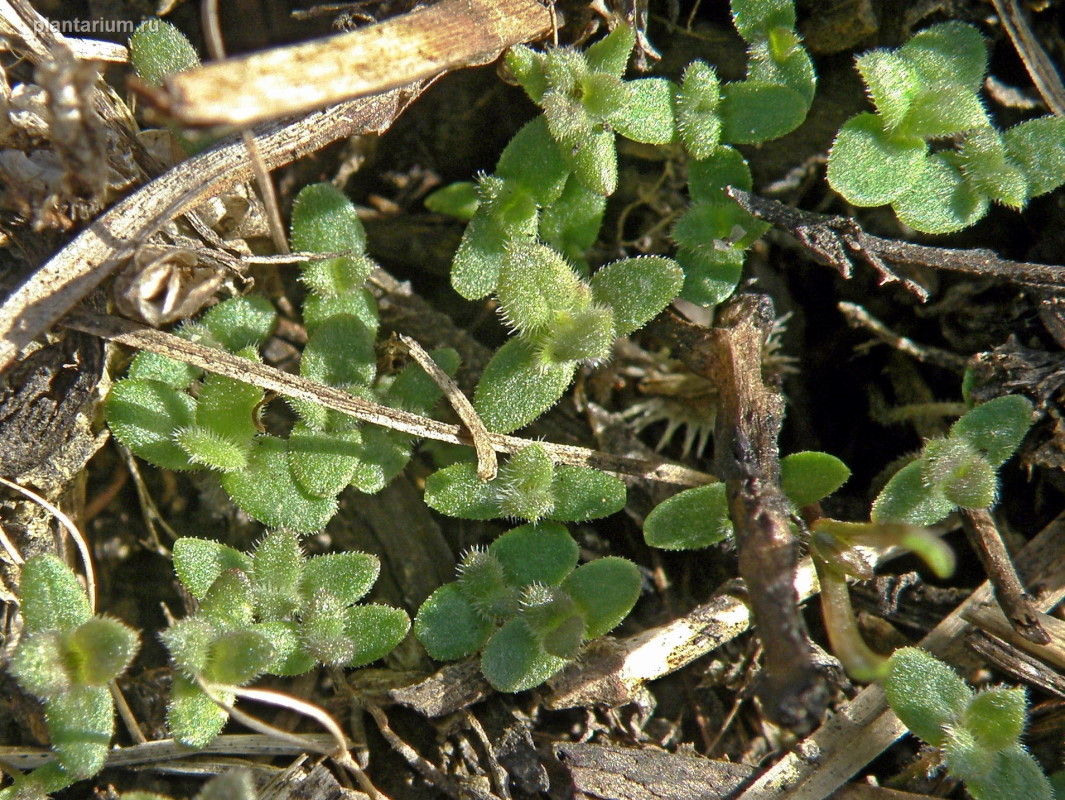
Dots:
pixel 960 469
pixel 978 735
pixel 526 606
pixel 927 90
pixel 66 658
pixel 177 418
pixel 529 486
pixel 158 50
pixel 272 611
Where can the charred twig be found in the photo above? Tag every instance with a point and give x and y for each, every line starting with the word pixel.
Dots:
pixel 838 241
pixel 1009 591
pixel 1040 68
pixel 745 443
pixel 858 317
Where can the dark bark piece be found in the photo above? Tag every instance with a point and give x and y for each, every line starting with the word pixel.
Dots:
pixel 627 773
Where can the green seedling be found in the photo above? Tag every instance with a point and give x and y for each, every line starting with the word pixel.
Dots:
pixel 525 606
pixel 272 611
pixel 977 735
pixel 529 486
pixel 924 91
pixel 178 418
pixel 66 658
pixel 959 469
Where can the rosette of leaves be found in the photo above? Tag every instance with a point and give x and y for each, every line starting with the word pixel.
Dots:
pixel 561 321
pixel 66 658
pixel 699 517
pixel 977 734
pixel 178 418
pixel 273 611
pixel 927 90
pixel 960 469
pixel 529 486
pixel 526 606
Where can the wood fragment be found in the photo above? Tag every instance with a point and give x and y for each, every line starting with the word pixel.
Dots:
pixel 838 241
pixel 487 464
pixel 289 80
pixel 1040 66
pixel 991 620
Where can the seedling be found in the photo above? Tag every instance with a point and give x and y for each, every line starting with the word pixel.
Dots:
pixel 977 735
pixel 272 611
pixel 924 91
pixel 526 606
pixel 66 658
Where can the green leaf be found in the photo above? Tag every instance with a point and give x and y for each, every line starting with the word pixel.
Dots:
pixel 340 351
pixel 710 276
pixel 346 576
pixel 907 498
pixel 810 476
pixel 594 161
pixel 211 449
pixel 689 520
pixel 484 584
pixel 193 719
pixel 143 416
pixel 605 590
pixel 323 463
pixel 554 619
pixel 290 656
pixel 514 660
pixel 583 493
pixel 376 631
pixel 526 65
pixel 542 553
pixel 610 55
pixel 986 166
pixel 892 83
pixel 532 161
pixel 158 50
pixel 100 650
pixel 199 562
pixel 753 112
pixel 535 284
pixel 236 784
pixel 956 469
pixel 456 491
pixel 323 631
pixel 277 571
pixel 996 427
pixel 189 643
pixel 1013 774
pixel 359 304
pixel 945 112
pixel 40 664
pixel 267 491
pixel 996 717
pixel 324 220
pixel 241 322
pixel 80 725
pixel 782 60
pixel 637 289
pixel 229 601
pixel 696 102
pixel 869 166
pixel 384 455
pixel 647 113
pixel 50 596
pixel 709 177
pixel 584 335
pixel 154 367
pixel 515 389
pixel 926 694
pixel 475 268
pixel 239 657
pixel 458 200
pixel 1038 145
pixel 950 53
pixel 524 485
pixel 754 19
pixel 939 200
pixel 570 224
pixel 448 625
pixel 229 408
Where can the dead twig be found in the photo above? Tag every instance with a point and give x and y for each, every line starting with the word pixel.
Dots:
pixel 1040 68
pixel 838 241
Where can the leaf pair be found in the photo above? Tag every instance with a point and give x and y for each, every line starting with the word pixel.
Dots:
pixel 526 606
pixel 272 611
